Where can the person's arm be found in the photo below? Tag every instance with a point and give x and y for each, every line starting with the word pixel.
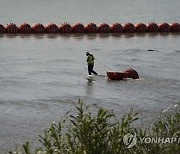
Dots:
pixel 93 58
pixel 87 59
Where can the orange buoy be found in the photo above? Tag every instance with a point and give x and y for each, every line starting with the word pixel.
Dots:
pixel 38 28
pixel 78 28
pixel 24 28
pixel 116 28
pixel 11 28
pixel 115 75
pixel 103 28
pixel 164 27
pixel 128 27
pixel 175 27
pixel 140 27
pixel 65 28
pixel 2 29
pixel 51 28
pixel 130 73
pixel 152 27
pixel 90 28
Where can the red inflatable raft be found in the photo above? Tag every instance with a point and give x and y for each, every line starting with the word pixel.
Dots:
pixel 130 73
pixel 115 75
pixel 126 73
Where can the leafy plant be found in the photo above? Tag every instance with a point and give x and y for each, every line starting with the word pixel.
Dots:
pixel 103 133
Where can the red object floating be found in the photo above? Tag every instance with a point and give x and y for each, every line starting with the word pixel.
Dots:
pixel 51 28
pixel 65 28
pixel 90 28
pixel 11 28
pixel 128 28
pixel 175 27
pixel 130 73
pixel 2 29
pixel 140 27
pixel 115 75
pixel 24 28
pixel 152 27
pixel 38 28
pixel 103 28
pixel 116 28
pixel 164 27
pixel 78 28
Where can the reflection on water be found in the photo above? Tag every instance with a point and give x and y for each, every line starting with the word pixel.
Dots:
pixel 8 35
pixel 89 35
pixel 51 36
pixel 90 88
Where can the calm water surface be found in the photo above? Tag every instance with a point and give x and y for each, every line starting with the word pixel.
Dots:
pixel 41 76
pixel 85 11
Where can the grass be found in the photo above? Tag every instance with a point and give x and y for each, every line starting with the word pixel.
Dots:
pixel 103 133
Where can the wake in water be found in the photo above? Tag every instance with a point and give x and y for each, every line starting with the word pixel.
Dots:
pixel 172 108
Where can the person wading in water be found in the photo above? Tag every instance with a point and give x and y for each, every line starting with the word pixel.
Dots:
pixel 90 63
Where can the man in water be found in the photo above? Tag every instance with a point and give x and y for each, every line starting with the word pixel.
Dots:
pixel 90 63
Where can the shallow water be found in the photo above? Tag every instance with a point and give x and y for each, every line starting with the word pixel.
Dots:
pixel 58 11
pixel 41 76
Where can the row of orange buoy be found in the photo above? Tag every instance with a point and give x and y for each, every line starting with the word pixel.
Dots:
pixel 90 28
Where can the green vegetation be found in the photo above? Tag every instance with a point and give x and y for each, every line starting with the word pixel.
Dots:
pixel 102 133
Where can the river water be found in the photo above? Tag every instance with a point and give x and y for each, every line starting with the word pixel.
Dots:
pixel 42 76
